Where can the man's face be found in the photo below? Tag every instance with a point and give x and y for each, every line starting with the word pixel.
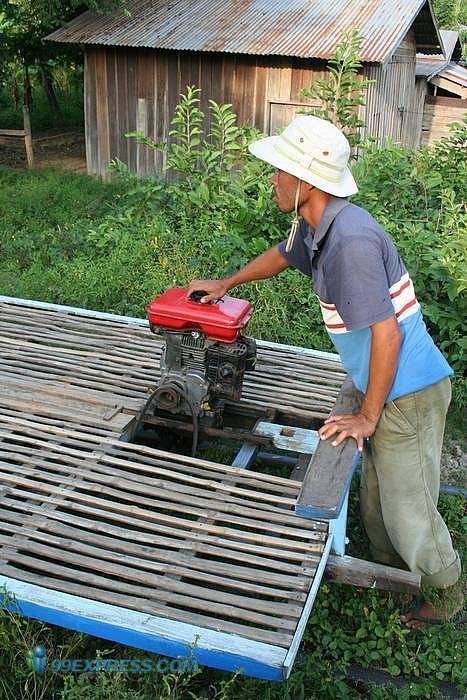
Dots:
pixel 285 189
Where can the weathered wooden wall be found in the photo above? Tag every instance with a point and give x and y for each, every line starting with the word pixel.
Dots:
pixel 138 89
pixel 394 105
pixel 438 113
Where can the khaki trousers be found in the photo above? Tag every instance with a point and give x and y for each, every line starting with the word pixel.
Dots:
pixel 399 487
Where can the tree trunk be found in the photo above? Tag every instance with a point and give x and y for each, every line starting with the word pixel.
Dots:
pixel 27 101
pixel 47 83
pixel 27 91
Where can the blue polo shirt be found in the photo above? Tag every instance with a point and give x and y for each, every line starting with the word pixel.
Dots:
pixel 360 279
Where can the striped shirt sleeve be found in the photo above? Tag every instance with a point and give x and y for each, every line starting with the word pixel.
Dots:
pixel 357 283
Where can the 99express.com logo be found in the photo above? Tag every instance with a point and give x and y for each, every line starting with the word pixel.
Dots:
pixel 37 659
pixel 38 662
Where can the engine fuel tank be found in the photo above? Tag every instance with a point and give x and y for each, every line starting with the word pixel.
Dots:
pixel 221 321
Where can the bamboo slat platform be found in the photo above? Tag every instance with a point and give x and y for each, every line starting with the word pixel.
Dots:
pixel 94 369
pixel 134 544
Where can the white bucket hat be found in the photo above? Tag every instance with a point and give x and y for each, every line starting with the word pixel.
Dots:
pixel 312 149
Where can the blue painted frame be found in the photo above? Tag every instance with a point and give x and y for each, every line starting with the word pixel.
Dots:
pixel 226 652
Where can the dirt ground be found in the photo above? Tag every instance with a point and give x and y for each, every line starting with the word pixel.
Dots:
pixel 58 150
pixel 453 462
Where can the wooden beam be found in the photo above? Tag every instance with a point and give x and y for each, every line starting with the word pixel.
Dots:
pixel 330 470
pixel 17 133
pixel 28 136
pixel 450 86
pixel 446 101
pixel 157 635
pixel 367 574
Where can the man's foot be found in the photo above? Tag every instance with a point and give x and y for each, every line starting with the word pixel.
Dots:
pixel 450 601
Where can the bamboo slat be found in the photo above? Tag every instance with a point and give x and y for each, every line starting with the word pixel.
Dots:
pixel 119 362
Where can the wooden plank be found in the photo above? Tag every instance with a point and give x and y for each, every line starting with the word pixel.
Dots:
pixel 112 101
pixel 79 314
pixel 367 574
pixel 232 538
pixel 450 86
pixel 102 113
pixel 261 84
pixel 274 517
pixel 331 468
pixel 298 634
pixel 28 136
pixel 142 127
pixel 45 421
pixel 53 391
pixel 446 101
pixel 121 103
pixel 25 403
pixel 149 453
pixel 222 555
pixel 149 584
pixel 167 501
pixel 131 98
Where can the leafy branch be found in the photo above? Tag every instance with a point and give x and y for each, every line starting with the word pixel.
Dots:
pixel 343 92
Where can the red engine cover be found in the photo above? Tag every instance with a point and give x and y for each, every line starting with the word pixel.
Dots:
pixel 220 321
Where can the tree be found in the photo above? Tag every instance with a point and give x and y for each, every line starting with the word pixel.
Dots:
pixel 451 14
pixel 24 55
pixel 343 92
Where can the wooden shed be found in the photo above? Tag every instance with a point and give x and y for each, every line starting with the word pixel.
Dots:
pixel 256 55
pixel 444 85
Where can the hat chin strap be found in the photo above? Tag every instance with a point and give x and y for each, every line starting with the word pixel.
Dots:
pixel 295 221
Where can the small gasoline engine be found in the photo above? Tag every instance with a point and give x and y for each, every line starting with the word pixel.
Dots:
pixel 204 358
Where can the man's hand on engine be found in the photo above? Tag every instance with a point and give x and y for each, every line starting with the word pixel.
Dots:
pixel 215 289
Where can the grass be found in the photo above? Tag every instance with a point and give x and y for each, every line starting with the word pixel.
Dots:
pixel 72 239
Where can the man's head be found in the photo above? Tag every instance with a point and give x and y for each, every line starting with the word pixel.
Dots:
pixel 285 191
pixel 311 150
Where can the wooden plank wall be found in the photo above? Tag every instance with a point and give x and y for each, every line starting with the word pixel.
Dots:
pixel 138 89
pixel 438 113
pixel 394 105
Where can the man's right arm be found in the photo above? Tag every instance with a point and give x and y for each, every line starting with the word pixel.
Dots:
pixel 268 264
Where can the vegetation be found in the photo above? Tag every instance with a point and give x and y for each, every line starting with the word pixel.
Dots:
pixel 152 234
pixel 343 92
pixel 68 90
pixel 26 61
pixel 451 14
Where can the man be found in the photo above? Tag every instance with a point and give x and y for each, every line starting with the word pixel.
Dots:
pixel 371 313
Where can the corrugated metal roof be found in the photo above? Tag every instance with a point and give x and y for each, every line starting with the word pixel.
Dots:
pixel 456 74
pixel 429 65
pixel 452 44
pixel 302 28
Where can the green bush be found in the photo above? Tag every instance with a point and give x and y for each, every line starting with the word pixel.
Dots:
pixel 70 98
pixel 418 197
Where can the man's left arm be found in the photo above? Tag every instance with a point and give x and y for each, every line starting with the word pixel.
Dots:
pixel 385 345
